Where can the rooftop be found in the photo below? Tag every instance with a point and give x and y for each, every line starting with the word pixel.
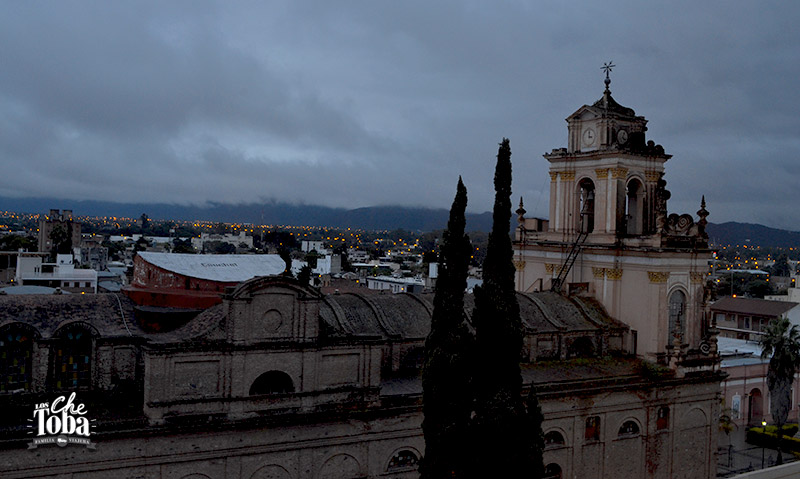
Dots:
pixel 226 268
pixel 752 306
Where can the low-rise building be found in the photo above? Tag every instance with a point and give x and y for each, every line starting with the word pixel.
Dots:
pixel 746 318
pixel 744 391
pixel 32 270
pixel 93 254
pixel 395 285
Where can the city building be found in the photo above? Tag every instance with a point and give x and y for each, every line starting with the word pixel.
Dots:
pixel 744 390
pixel 746 318
pixel 395 285
pixel 191 281
pixel 93 254
pixel 33 271
pixel 63 221
pixel 242 240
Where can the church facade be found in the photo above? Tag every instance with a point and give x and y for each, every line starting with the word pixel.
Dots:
pixel 280 381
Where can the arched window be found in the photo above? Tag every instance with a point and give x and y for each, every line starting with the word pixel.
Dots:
pixel 592 432
pixel 272 382
pixel 16 353
pixel 553 439
pixel 586 206
pixel 628 428
pixel 72 359
pixel 634 207
pixel 552 471
pixel 677 318
pixel 662 419
pixel 404 460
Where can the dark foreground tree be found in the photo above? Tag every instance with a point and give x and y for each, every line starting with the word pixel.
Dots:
pixel 304 275
pixel 446 373
pixel 780 343
pixel 502 430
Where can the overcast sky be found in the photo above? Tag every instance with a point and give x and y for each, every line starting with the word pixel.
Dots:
pixel 352 104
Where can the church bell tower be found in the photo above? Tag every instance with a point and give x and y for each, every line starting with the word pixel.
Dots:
pixel 609 234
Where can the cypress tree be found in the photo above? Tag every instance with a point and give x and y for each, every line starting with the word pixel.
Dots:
pixel 501 428
pixel 447 400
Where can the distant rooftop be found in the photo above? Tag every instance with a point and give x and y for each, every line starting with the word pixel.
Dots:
pixel 227 268
pixel 752 306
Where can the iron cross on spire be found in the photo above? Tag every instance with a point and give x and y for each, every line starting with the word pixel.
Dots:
pixel 607 66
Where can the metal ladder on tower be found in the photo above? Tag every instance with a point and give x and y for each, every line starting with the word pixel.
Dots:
pixel 571 257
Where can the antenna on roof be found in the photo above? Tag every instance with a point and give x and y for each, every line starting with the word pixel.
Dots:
pixel 607 66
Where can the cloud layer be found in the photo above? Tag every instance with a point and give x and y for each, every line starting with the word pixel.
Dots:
pixel 388 102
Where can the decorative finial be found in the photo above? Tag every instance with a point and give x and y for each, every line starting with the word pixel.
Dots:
pixel 702 213
pixel 607 68
pixel 520 212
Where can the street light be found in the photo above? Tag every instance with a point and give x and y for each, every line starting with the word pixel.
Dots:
pixel 764 425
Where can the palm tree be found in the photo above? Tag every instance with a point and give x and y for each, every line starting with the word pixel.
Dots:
pixel 780 343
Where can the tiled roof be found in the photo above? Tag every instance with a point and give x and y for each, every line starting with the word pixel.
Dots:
pixel 753 306
pixel 111 315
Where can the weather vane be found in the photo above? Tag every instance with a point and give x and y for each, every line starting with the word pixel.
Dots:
pixel 607 66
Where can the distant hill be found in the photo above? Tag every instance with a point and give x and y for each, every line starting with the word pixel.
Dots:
pixel 733 233
pixel 373 218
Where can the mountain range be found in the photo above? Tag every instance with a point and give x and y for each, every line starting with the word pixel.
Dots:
pixel 372 218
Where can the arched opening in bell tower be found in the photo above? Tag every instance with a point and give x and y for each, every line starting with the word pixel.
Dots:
pixel 634 207
pixel 586 206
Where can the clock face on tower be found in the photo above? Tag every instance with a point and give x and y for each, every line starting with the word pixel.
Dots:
pixel 588 137
pixel 622 137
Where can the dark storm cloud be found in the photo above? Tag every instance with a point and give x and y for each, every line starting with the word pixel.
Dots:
pixel 388 102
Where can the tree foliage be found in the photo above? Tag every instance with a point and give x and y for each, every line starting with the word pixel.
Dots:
pixel 781 344
pixel 16 242
pixel 781 266
pixel 502 430
pixel 304 275
pixel 446 374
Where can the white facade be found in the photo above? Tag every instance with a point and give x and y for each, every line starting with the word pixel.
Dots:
pixel 395 285
pixel 317 246
pixel 32 270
